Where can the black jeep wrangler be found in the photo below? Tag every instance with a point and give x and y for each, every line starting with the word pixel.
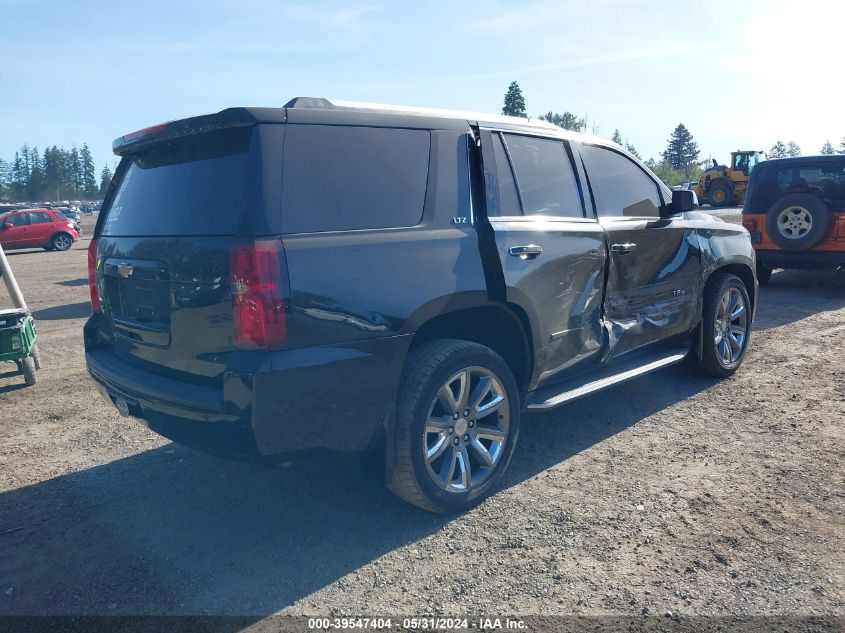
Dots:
pixel 327 276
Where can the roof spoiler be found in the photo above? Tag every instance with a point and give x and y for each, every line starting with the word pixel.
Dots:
pixel 231 117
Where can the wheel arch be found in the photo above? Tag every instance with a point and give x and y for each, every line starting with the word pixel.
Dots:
pixel 57 234
pixel 503 327
pixel 742 270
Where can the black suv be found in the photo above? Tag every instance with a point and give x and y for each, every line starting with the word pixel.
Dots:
pixel 325 276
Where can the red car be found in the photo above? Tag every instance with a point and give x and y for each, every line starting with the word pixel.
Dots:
pixel 34 228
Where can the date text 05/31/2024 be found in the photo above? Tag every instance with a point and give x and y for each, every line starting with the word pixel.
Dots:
pixel 416 624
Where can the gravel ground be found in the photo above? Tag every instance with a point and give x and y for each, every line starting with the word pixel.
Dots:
pixel 670 493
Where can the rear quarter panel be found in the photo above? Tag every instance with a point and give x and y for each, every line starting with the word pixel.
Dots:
pixel 356 298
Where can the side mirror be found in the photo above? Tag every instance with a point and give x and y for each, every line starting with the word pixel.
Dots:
pixel 7 226
pixel 682 200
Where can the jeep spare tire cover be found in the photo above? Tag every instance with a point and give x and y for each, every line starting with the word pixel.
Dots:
pixel 797 221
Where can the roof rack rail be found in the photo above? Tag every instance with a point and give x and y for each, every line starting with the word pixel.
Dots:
pixel 320 102
pixel 308 102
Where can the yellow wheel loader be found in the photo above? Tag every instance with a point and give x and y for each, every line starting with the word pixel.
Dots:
pixel 724 185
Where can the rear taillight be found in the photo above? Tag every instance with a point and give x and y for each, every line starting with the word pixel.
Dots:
pixel 92 277
pixel 750 225
pixel 258 297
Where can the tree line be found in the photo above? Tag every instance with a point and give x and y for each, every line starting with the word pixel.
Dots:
pixel 54 174
pixel 679 162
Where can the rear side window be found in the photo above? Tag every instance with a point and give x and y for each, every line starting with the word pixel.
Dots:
pixel 340 178
pixel 544 176
pixel 189 186
pixel 621 188
pixel 40 218
pixel 508 198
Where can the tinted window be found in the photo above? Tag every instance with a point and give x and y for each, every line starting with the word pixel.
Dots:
pixel 342 177
pixel 19 219
pixel 544 176
pixel 39 218
pixel 620 187
pixel 508 198
pixel 191 186
pixel 823 179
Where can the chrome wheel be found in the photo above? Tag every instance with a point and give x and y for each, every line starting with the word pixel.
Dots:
pixel 730 327
pixel 466 430
pixel 794 222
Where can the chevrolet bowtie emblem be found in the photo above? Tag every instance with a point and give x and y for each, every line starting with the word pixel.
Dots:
pixel 124 270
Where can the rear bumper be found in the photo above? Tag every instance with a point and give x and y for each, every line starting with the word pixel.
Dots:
pixel 800 259
pixel 271 403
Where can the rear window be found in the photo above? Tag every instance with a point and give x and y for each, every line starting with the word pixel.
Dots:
pixel 345 177
pixel 189 186
pixel 825 180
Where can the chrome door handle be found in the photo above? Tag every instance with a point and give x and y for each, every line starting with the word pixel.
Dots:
pixel 529 251
pixel 623 248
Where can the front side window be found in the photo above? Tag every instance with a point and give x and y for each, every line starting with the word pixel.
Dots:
pixel 620 187
pixel 21 219
pixel 544 176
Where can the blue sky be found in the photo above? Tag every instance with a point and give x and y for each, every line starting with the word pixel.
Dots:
pixel 738 74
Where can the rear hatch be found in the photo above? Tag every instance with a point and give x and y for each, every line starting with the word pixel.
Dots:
pixel 164 240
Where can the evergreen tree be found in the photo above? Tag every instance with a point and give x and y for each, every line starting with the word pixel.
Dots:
pixel 89 173
pixel 105 179
pixel 682 151
pixel 514 101
pixel 74 171
pixel 567 120
pixel 25 160
pixel 792 149
pixel 35 187
pixel 842 145
pixel 5 177
pixel 778 150
pixel 617 137
pixel 20 176
pixel 827 149
pixel 53 172
pixel 633 150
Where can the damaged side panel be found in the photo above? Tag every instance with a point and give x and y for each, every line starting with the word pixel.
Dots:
pixel 653 291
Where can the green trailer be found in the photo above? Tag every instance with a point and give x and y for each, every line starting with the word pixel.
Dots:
pixel 17 342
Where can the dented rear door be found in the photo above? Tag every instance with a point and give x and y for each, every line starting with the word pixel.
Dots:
pixel 552 256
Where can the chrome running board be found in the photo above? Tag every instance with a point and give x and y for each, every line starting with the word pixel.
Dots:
pixel 580 386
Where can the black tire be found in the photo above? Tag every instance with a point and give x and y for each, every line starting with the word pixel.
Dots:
pixel 712 362
pixel 720 194
pixel 805 208
pixel 62 242
pixel 36 356
pixel 28 369
pixel 764 274
pixel 429 368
